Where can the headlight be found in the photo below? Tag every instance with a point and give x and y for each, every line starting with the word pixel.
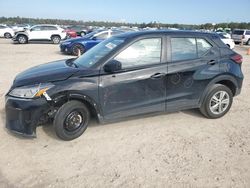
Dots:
pixel 30 91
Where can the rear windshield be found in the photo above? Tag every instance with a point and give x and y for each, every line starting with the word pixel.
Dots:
pixel 238 32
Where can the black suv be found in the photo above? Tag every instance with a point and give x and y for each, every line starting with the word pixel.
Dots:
pixel 126 75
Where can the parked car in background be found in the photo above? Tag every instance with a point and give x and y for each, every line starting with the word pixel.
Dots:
pixel 228 41
pixel 70 33
pixel 239 35
pixel 44 32
pixel 20 27
pixel 80 30
pixel 129 74
pixel 225 34
pixel 83 44
pixel 6 31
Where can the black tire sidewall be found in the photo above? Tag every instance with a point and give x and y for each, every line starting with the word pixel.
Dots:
pixel 205 107
pixel 61 115
pixel 78 46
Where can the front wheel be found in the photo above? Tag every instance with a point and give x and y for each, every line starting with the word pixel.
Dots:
pixel 71 120
pixel 218 102
pixel 22 39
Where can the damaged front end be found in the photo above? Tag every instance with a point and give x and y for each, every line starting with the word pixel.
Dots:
pixel 26 108
pixel 24 115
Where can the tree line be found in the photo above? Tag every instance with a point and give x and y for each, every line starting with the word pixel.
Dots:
pixel 207 26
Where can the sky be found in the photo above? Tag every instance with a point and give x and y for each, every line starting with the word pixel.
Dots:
pixel 132 11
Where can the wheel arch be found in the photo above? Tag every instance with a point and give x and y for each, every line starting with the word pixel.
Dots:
pixel 226 80
pixel 24 34
pixel 55 35
pixel 91 104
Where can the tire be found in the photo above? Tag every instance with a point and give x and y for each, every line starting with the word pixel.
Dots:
pixel 248 42
pixel 213 105
pixel 22 39
pixel 71 120
pixel 56 39
pixel 7 35
pixel 76 48
pixel 82 34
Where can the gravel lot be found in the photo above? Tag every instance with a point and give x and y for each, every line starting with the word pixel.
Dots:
pixel 181 149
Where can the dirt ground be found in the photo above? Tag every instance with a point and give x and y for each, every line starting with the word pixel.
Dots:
pixel 181 149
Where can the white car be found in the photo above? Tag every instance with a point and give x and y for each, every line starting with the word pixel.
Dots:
pixel 20 27
pixel 228 41
pixel 6 31
pixel 52 33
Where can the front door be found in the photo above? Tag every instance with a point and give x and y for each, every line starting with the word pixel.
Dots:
pixel 36 33
pixel 140 87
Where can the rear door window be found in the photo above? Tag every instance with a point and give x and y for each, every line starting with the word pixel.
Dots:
pixel 49 28
pixel 183 49
pixel 188 48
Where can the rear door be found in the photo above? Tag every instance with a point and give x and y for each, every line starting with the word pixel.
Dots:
pixel 193 62
pixel 140 87
pixel 48 31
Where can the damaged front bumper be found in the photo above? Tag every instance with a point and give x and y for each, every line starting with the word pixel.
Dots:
pixel 24 115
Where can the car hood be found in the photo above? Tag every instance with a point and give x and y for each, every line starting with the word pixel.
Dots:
pixel 49 72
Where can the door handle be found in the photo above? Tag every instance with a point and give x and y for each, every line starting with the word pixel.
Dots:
pixel 211 62
pixel 157 75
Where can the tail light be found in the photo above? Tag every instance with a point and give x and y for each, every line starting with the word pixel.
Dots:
pixel 237 58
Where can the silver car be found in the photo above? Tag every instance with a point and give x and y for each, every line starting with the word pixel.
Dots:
pixel 241 34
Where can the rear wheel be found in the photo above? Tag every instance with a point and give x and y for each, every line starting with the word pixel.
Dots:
pixel 71 120
pixel 82 34
pixel 56 39
pixel 7 35
pixel 218 102
pixel 76 48
pixel 22 39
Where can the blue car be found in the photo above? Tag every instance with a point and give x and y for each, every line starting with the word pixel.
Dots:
pixel 83 44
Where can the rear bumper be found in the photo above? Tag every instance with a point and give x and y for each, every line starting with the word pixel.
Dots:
pixel 24 115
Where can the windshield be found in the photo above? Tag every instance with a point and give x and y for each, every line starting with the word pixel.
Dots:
pixel 92 56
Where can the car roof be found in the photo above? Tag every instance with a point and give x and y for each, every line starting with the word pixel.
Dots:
pixel 166 32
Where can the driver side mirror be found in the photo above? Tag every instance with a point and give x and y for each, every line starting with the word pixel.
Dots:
pixel 112 66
